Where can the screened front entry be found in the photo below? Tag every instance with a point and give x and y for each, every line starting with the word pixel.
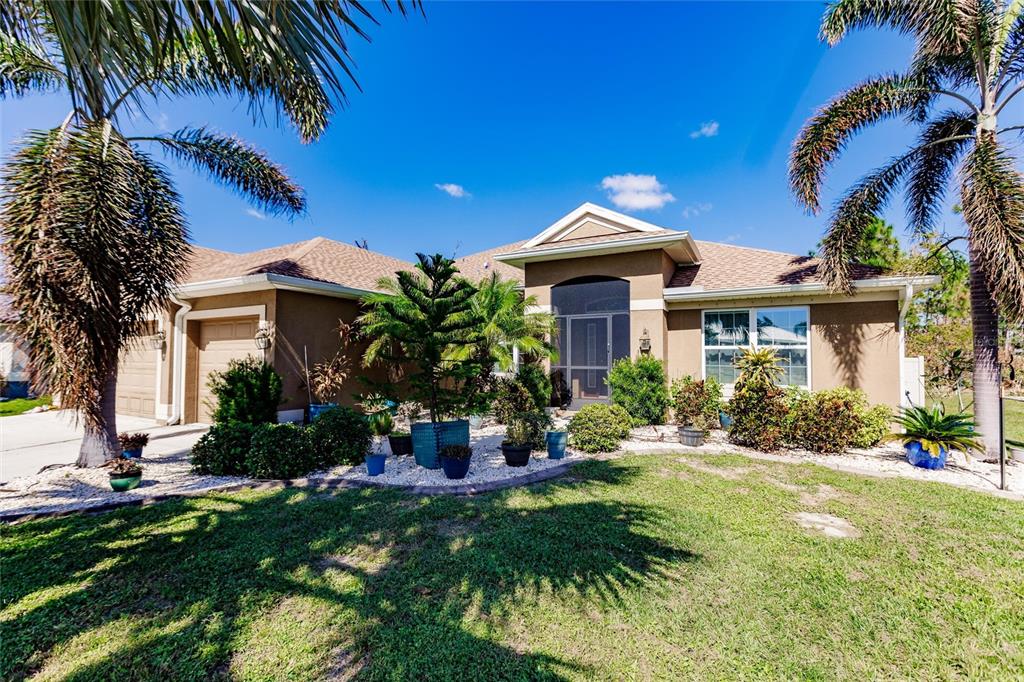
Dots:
pixel 593 332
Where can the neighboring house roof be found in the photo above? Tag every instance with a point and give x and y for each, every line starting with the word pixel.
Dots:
pixel 726 266
pixel 318 259
pixel 477 266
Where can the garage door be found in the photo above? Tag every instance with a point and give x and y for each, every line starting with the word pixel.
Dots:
pixel 221 341
pixel 136 380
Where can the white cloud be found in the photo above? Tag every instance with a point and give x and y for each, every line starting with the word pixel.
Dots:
pixel 694 210
pixel 636 192
pixel 453 190
pixel 729 239
pixel 162 122
pixel 255 214
pixel 709 129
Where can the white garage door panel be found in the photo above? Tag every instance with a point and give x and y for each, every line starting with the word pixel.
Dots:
pixel 136 381
pixel 221 341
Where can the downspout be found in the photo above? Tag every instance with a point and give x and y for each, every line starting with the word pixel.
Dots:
pixel 905 299
pixel 177 361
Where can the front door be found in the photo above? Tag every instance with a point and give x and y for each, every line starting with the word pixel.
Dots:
pixel 590 352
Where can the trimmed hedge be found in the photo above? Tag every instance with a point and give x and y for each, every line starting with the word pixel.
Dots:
pixel 639 387
pixel 599 427
pixel 279 451
pixel 340 436
pixel 247 391
pixel 223 449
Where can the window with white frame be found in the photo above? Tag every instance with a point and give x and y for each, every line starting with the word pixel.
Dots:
pixel 726 332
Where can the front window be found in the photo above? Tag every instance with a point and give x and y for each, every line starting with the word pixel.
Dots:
pixel 726 332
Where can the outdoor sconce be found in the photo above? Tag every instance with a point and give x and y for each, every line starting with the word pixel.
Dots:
pixel 645 342
pixel 156 341
pixel 263 337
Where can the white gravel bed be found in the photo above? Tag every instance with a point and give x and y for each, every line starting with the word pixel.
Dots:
pixel 487 466
pixel 886 460
pixel 166 470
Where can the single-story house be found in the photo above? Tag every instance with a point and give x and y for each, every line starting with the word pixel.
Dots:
pixel 14 370
pixel 618 286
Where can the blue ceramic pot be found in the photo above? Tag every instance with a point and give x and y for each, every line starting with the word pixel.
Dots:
pixel 317 409
pixel 429 438
pixel 134 453
pixel 920 457
pixel 454 468
pixel 725 419
pixel 556 442
pixel 375 464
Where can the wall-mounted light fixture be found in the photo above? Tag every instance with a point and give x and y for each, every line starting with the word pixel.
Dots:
pixel 157 340
pixel 645 342
pixel 264 336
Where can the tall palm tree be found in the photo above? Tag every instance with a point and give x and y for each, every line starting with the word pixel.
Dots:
pixel 93 231
pixel 969 56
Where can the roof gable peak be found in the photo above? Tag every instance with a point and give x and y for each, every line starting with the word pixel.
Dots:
pixel 594 217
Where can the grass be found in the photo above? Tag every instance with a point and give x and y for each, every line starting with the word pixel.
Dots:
pixel 9 408
pixel 1013 414
pixel 646 567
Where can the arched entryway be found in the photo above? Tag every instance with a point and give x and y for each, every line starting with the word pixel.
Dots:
pixel 593 332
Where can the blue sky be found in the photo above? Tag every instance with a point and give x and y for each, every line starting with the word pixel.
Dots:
pixel 534 108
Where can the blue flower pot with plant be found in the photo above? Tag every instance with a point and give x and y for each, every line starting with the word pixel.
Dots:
pixel 455 461
pixel 317 409
pixel 556 442
pixel 929 435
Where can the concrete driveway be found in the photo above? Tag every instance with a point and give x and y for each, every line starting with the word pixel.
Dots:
pixel 30 442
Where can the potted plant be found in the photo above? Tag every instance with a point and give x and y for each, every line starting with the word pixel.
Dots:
pixel 523 435
pixel 132 444
pixel 401 441
pixel 455 460
pixel 929 435
pixel 325 380
pixel 380 425
pixel 697 406
pixel 556 440
pixel 125 474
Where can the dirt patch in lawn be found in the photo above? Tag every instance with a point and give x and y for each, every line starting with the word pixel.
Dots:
pixel 728 473
pixel 827 525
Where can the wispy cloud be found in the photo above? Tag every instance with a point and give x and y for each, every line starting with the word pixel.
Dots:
pixel 709 129
pixel 694 210
pixel 162 122
pixel 255 214
pixel 453 190
pixel 634 192
pixel 729 239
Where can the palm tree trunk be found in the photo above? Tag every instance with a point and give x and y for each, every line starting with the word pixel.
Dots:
pixel 99 444
pixel 987 372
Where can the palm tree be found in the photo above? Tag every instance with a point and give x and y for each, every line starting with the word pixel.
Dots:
pixel 93 231
pixel 970 56
pixel 509 323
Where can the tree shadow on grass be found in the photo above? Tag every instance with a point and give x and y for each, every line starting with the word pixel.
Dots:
pixel 304 584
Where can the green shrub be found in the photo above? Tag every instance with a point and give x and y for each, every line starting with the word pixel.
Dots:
pixel 599 427
pixel 696 402
pixel 247 391
pixel 877 426
pixel 827 421
pixel 512 398
pixel 528 427
pixel 280 451
pixel 758 407
pixel 639 387
pixel 537 382
pixel 339 436
pixel 223 449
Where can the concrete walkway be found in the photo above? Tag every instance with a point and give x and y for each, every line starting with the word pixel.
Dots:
pixel 31 442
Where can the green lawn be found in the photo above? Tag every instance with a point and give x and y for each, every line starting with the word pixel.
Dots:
pixel 1013 415
pixel 647 567
pixel 9 408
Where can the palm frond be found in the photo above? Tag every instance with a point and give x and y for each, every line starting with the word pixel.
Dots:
pixel 25 69
pixel 238 165
pixel 941 145
pixel 992 196
pixel 825 136
pixel 939 25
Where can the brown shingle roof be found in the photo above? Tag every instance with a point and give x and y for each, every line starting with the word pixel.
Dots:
pixel 725 266
pixel 317 259
pixel 476 266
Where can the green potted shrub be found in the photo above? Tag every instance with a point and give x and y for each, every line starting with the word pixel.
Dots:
pixel 420 319
pixel 380 426
pixel 132 444
pixel 125 474
pixel 401 441
pixel 929 435
pixel 523 435
pixel 696 404
pixel 455 460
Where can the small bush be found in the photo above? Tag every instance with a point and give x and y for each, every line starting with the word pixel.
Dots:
pixel 223 449
pixel 248 391
pixel 696 402
pixel 537 382
pixel 512 398
pixel 639 387
pixel 599 427
pixel 528 427
pixel 339 436
pixel 877 425
pixel 758 407
pixel 132 441
pixel 826 421
pixel 280 451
